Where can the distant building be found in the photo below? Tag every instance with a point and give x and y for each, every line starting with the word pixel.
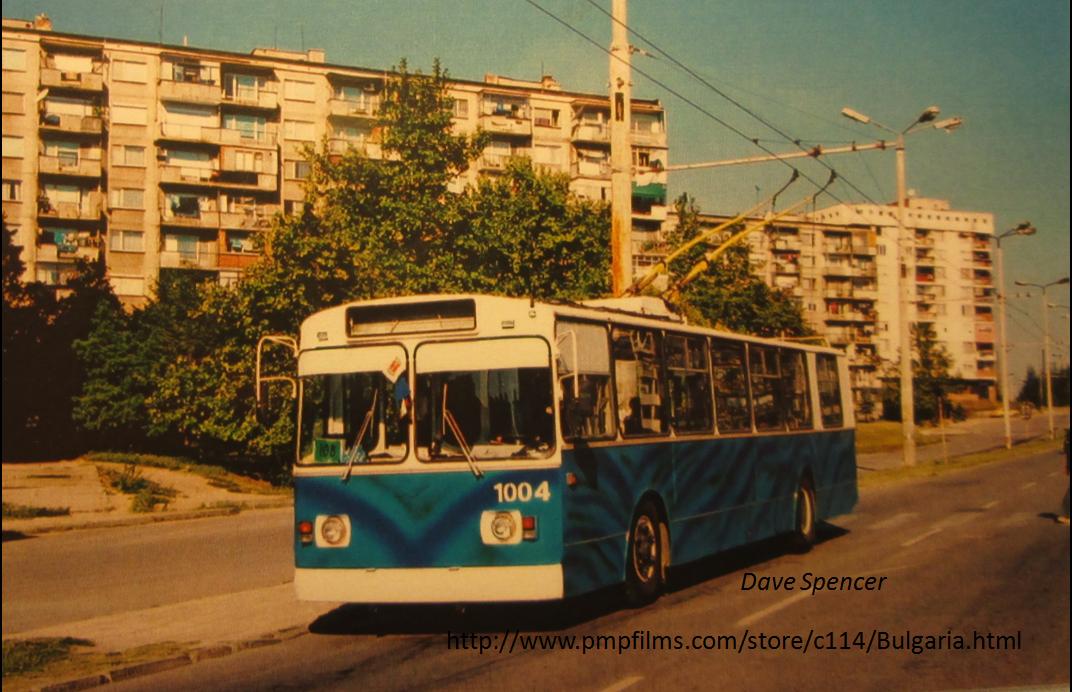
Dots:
pixel 169 157
pixel 840 263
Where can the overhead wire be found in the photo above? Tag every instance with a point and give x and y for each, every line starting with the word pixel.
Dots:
pixel 684 98
pixel 792 140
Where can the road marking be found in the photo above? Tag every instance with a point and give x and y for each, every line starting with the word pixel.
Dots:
pixel 760 614
pixel 895 520
pixel 920 537
pixel 623 684
pixel 992 504
pixel 1030 484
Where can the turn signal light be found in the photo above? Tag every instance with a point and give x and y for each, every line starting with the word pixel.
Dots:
pixel 528 528
pixel 305 530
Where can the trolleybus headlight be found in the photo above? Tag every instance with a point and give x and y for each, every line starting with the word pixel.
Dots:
pixel 503 526
pixel 332 531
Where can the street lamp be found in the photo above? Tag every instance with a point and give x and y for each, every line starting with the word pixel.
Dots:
pixel 1024 228
pixel 908 422
pixel 1046 344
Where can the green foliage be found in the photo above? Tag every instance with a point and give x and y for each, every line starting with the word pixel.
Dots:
pixel 729 295
pixel 13 511
pixel 931 380
pixel 130 481
pixel 30 655
pixel 41 374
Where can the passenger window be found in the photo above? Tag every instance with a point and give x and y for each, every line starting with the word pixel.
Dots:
pixel 584 381
pixel 826 373
pixel 638 377
pixel 731 387
pixel 767 397
pixel 797 395
pixel 689 381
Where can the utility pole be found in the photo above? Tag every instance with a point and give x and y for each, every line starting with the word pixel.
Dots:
pixel 1063 281
pixel 904 289
pixel 621 153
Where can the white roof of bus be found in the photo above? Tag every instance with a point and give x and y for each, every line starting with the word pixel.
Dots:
pixel 332 319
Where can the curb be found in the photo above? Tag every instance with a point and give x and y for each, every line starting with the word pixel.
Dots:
pixel 197 655
pixel 143 519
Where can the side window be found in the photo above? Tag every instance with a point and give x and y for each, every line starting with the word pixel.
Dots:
pixel 795 387
pixel 766 377
pixel 584 381
pixel 826 372
pixel 689 383
pixel 638 376
pixel 731 387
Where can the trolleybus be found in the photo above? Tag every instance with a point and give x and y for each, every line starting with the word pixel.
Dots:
pixel 468 448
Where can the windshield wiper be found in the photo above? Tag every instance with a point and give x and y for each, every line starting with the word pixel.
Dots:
pixel 357 450
pixel 448 418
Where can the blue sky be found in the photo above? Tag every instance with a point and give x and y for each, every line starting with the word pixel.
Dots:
pixel 1002 65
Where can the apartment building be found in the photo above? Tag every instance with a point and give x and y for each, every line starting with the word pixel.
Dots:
pixel 170 158
pixel 841 264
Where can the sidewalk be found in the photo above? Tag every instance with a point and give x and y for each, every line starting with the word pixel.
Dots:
pixel 76 485
pixel 968 437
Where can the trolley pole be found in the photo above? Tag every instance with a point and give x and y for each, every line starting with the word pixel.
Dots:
pixel 621 154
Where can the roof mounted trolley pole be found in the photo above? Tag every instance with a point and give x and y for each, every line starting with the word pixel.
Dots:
pixel 621 155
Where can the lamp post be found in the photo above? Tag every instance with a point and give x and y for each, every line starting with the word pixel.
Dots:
pixel 904 291
pixel 1024 228
pixel 1046 344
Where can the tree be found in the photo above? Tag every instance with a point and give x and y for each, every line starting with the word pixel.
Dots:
pixel 1031 389
pixel 931 379
pixel 729 295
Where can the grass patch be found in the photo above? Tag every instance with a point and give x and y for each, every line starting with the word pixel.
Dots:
pixel 885 436
pixel 73 664
pixel 147 494
pixel 218 476
pixel 23 656
pixel 13 511
pixel 935 468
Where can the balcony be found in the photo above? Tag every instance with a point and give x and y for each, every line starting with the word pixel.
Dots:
pixel 190 133
pixel 355 108
pixel 237 260
pixel 205 257
pixel 590 169
pixel 87 209
pixel 203 218
pixel 786 267
pixel 984 332
pixel 252 98
pixel 80 124
pixel 988 373
pixel 248 217
pixel 370 146
pixel 49 252
pixel 85 81
pixel 66 165
pixel 184 174
pixel 596 132
pixel 507 122
pixel 207 92
pixel 982 281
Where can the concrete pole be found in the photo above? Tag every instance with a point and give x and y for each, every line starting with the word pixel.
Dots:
pixel 1046 361
pixel 621 154
pixel 1003 363
pixel 908 420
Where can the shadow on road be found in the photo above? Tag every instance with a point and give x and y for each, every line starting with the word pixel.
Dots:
pixel 13 536
pixel 498 618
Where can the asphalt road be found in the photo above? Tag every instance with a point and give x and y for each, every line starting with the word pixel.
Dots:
pixel 970 552
pixel 66 577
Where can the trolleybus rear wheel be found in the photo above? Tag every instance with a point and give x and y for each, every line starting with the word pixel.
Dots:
pixel 644 561
pixel 804 526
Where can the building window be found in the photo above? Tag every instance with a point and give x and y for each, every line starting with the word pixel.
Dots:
pixel 13 103
pixel 249 161
pixel 297 170
pixel 128 198
pixel 299 129
pixel 545 117
pixel 293 207
pixel 129 115
pixel 126 155
pixel 12 147
pixel 127 241
pixel 129 71
pixel 12 191
pixel 248 126
pixel 299 91
pixel 15 59
pixel 461 108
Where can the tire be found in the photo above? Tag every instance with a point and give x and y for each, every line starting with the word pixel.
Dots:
pixel 803 537
pixel 644 560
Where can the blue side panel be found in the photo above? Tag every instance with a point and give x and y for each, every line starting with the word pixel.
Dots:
pixel 713 506
pixel 718 494
pixel 598 510
pixel 426 519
